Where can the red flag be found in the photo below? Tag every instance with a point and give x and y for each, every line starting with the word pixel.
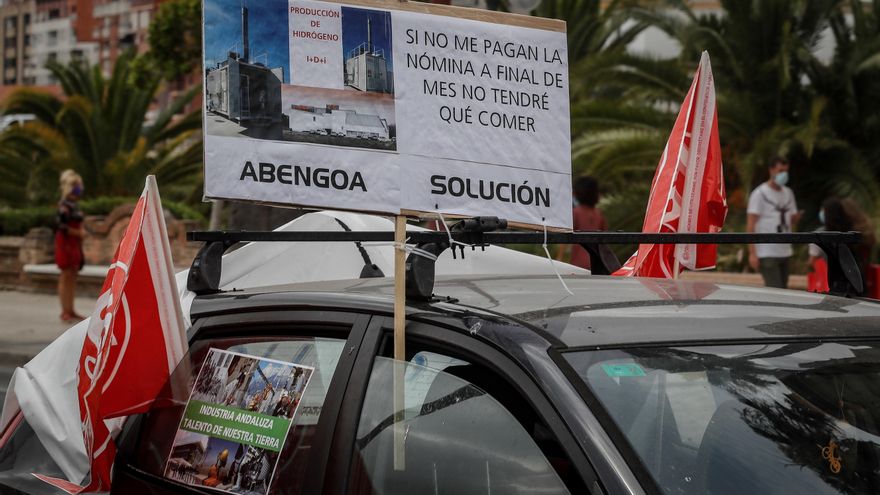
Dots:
pixel 135 338
pixel 687 194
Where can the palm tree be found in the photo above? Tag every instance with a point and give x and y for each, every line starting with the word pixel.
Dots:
pixel 848 89
pixel 613 138
pixel 105 130
pixel 591 29
pixel 766 71
pixel 21 182
pixel 774 97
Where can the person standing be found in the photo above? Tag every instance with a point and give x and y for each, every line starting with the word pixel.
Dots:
pixel 586 217
pixel 772 208
pixel 68 242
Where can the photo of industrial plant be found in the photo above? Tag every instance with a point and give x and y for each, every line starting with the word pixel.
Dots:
pixel 366 50
pixel 339 117
pixel 245 67
pixel 250 96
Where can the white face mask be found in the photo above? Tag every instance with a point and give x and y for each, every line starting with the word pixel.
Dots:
pixel 781 178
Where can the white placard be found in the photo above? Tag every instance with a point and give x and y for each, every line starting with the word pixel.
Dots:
pixel 489 96
pixel 385 110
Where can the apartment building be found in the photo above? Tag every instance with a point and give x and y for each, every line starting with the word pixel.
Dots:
pixel 53 39
pixel 115 25
pixel 15 36
pixel 35 32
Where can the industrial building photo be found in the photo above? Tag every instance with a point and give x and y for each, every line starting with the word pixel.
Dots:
pixel 339 117
pixel 366 50
pixel 245 67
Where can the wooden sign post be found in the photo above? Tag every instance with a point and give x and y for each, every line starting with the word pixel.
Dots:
pixel 399 339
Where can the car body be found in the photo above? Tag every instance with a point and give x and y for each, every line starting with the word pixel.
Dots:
pixel 513 386
pixel 10 120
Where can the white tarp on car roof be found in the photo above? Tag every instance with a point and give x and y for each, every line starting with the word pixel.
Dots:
pixel 274 263
pixel 43 389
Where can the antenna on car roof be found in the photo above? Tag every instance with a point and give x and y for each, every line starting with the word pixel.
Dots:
pixel 844 276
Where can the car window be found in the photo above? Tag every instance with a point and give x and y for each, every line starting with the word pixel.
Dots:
pixel 196 465
pixel 454 438
pixel 774 418
pixel 22 455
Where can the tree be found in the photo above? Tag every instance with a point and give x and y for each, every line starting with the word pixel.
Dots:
pixel 614 137
pixel 176 38
pixel 777 97
pixel 22 181
pixel 774 96
pixel 591 29
pixel 105 130
pixel 847 86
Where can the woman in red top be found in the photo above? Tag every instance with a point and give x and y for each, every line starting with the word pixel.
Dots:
pixel 68 242
pixel 587 218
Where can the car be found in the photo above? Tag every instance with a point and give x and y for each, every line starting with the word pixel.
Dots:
pixel 10 120
pixel 510 385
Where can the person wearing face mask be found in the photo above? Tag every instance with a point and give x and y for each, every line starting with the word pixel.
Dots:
pixel 68 242
pixel 772 208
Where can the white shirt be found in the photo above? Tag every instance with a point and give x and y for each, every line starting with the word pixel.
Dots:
pixel 772 207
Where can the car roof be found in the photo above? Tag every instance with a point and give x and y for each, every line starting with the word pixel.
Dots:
pixel 602 312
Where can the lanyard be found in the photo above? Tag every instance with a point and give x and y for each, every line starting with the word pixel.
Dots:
pixel 783 221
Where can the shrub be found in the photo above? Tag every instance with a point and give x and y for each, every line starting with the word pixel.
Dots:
pixel 103 205
pixel 18 221
pixel 184 211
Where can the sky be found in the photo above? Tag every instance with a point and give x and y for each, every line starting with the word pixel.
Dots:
pixel 267 23
pixel 354 31
pixel 273 371
pixel 184 437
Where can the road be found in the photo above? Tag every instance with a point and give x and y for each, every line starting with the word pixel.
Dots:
pixel 29 323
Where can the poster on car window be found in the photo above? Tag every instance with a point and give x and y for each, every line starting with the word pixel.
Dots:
pixel 236 422
pixel 387 107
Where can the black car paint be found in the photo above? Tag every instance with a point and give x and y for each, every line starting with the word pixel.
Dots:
pixel 526 319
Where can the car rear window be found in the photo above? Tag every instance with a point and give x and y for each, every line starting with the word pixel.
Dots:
pixel 157 431
pixel 780 418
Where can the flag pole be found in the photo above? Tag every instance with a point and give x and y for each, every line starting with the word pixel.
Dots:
pixel 675 269
pixel 399 338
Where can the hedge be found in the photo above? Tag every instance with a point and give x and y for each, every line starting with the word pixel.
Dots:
pixel 18 221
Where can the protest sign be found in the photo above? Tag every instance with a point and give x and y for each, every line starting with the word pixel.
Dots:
pixel 388 107
pixel 236 421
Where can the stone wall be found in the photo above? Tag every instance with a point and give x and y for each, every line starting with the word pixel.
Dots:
pixel 10 266
pixel 103 234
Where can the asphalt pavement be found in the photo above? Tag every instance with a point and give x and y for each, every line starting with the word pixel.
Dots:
pixel 28 323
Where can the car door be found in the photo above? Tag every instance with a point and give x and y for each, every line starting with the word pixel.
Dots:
pixel 155 457
pixel 458 416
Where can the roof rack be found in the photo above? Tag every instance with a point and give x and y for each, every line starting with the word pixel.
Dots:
pixel 844 275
